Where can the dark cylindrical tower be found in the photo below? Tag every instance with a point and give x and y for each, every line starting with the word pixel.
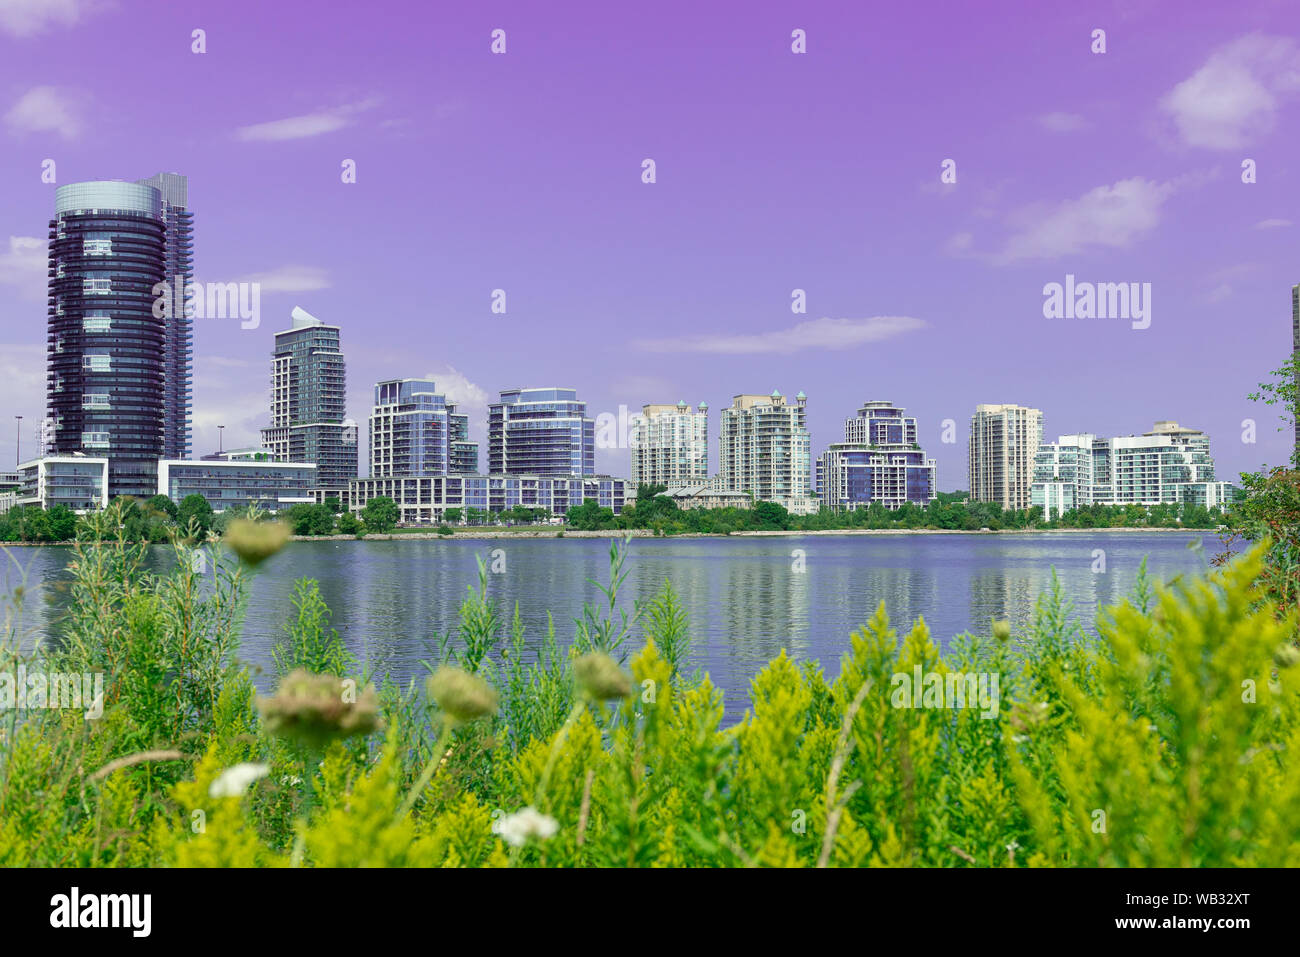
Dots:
pixel 106 346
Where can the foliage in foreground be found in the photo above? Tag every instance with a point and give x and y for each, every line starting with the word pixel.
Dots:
pixel 1171 740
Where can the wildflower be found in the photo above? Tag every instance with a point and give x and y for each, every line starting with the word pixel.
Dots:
pixel 462 695
pixel 315 709
pixel 1027 717
pixel 1002 630
pixel 515 829
pixel 255 542
pixel 601 678
pixel 234 781
pixel 1286 657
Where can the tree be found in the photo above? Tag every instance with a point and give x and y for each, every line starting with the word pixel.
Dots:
pixel 310 519
pixel 195 508
pixel 380 514
pixel 163 505
pixel 590 516
pixel 333 504
pixel 63 524
pixel 770 516
pixel 349 524
pixel 453 515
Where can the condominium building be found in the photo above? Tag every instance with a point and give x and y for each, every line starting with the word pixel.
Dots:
pixel 235 483
pixel 81 482
pixel 878 461
pixel 178 349
pixel 1070 473
pixel 414 430
pixel 308 402
pixel 106 350
pixel 764 449
pixel 423 500
pixel 1004 440
pixel 1168 465
pixel 541 432
pixel 670 445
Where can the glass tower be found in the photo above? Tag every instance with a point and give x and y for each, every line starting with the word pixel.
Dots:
pixel 178 353
pixel 541 432
pixel 106 349
pixel 414 430
pixel 308 402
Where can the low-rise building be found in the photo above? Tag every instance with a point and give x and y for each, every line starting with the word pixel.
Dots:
pixel 707 495
pixel 78 481
pixel 238 483
pixel 424 499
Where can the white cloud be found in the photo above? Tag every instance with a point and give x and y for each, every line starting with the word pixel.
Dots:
pixel 25 265
pixel 824 333
pixel 290 279
pixel 1234 98
pixel 1107 216
pixel 25 18
pixel 1220 292
pixel 230 392
pixel 307 125
pixel 470 399
pixel 22 392
pixel 1272 223
pixel 1063 122
pixel 46 109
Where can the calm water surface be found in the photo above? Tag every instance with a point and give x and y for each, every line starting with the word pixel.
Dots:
pixel 746 602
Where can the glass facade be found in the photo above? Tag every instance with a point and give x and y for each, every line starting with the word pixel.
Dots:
pixel 105 347
pixel 233 484
pixel 79 482
pixel 308 402
pixel 425 499
pixel 878 461
pixel 414 430
pixel 541 432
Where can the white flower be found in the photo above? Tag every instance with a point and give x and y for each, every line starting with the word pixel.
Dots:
pixel 233 782
pixel 515 829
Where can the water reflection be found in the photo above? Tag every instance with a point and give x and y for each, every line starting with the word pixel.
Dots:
pixel 745 597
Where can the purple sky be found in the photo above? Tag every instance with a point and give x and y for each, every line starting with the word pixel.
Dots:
pixel 775 171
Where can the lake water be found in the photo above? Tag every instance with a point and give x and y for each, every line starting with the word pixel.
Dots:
pixel 745 598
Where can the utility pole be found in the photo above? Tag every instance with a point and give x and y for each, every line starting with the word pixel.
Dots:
pixel 18 450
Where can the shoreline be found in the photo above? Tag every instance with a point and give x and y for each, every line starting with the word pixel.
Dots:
pixel 491 534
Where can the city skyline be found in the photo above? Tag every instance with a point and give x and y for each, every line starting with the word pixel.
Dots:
pixel 769 179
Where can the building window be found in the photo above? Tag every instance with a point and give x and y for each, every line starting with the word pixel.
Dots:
pixel 96 287
pixel 97 363
pixel 94 440
pixel 96 324
pixel 95 400
pixel 97 247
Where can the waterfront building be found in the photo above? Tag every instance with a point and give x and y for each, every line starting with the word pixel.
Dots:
pixel 764 449
pixel 706 495
pixel 80 482
pixel 424 500
pixel 178 345
pixel 879 460
pixel 1168 465
pixel 118 378
pixel 541 432
pixel 670 445
pixel 1004 440
pixel 309 402
pixel 414 430
pixel 253 453
pixel 235 483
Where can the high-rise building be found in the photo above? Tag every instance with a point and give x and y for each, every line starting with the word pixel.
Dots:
pixel 1004 440
pixel 541 432
pixel 106 348
pixel 309 402
pixel 414 431
pixel 179 346
pixel 764 449
pixel 670 445
pixel 1168 465
pixel 879 460
pixel 118 382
